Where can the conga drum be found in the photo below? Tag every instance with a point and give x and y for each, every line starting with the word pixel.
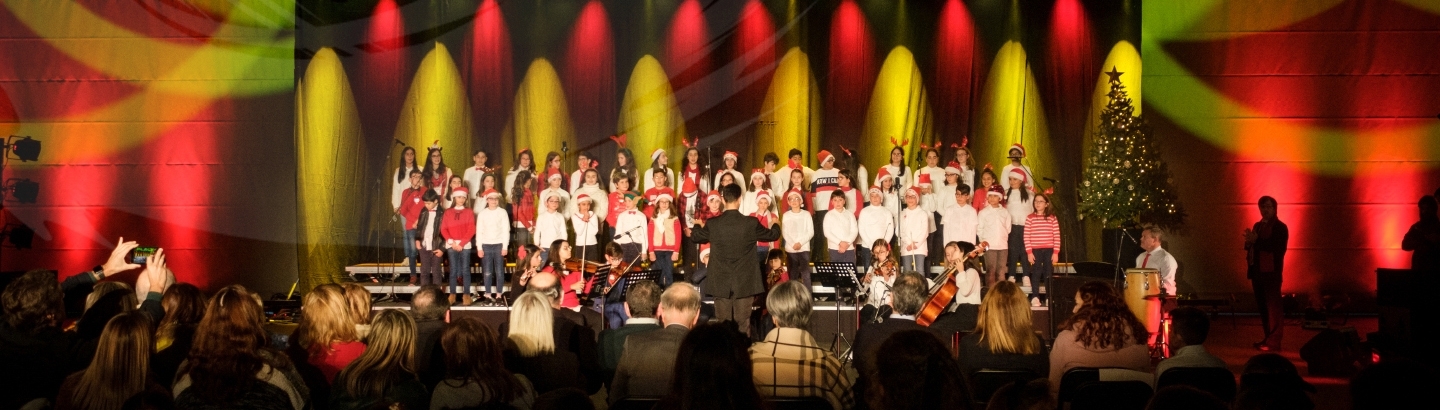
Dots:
pixel 1140 283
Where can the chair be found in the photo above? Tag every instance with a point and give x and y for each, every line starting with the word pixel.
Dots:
pixel 1116 395
pixel 798 403
pixel 636 403
pixel 985 382
pixel 1216 380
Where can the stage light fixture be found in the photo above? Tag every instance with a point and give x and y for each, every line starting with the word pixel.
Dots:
pixel 26 149
pixel 19 235
pixel 23 190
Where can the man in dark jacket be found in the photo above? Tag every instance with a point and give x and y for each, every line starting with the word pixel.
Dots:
pixel 734 278
pixel 647 364
pixel 907 297
pixel 428 306
pixel 1266 244
pixel 640 302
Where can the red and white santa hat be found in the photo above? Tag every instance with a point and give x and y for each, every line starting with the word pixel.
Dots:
pixel 882 175
pixel 584 198
pixel 1018 173
pixel 461 191
pixel 714 194
pixel 825 155
pixel 554 173
pixel 952 168
pixel 875 189
pixel 664 196
pixel 731 155
pixel 757 172
pixel 996 191
pixel 762 194
pixel 655 156
pixel 795 192
pixel 923 179
pixel 489 193
pixel 688 187
pixel 1017 147
pixel 913 191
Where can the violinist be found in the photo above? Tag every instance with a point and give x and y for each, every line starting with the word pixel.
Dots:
pixel 525 268
pixel 878 280
pixel 571 281
pixel 612 301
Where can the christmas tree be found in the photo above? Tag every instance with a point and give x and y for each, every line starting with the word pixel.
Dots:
pixel 1126 183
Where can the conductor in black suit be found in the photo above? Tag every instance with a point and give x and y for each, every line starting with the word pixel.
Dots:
pixel 734 278
pixel 907 297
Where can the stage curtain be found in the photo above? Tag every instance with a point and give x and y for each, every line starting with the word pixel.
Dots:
pixel 329 182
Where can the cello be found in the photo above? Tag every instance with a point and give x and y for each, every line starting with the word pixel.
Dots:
pixel 942 297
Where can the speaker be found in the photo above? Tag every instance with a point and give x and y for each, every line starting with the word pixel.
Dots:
pixel 1062 299
pixel 1334 353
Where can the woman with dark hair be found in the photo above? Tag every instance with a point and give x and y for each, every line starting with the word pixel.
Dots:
pixel 475 372
pixel 570 282
pixel 384 375
pixel 522 203
pixel 915 371
pixel 552 166
pixel 230 365
pixel 860 176
pixel 524 161
pixel 402 176
pixel 120 368
pixel 525 268
pixel 435 173
pixel 1102 333
pixel 625 167
pixel 184 307
pixel 713 371
pixel 896 169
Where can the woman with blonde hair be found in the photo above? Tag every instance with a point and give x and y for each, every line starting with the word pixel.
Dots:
pixel 384 374
pixel 231 365
pixel 119 370
pixel 1003 336
pixel 326 337
pixel 358 300
pixel 530 346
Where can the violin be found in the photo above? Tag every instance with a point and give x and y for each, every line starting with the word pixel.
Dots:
pixel 615 274
pixel 580 265
pixel 942 297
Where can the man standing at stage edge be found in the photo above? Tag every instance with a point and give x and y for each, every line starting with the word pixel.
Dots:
pixel 1265 246
pixel 734 278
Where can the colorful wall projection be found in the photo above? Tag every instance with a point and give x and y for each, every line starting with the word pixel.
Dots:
pixel 1327 106
pixel 168 123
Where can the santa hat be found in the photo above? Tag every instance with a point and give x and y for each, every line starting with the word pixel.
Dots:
pixel 731 155
pixel 554 173
pixel 996 191
pixel 825 155
pixel 1015 147
pixel 714 194
pixel 882 175
pixel 875 189
pixel 952 168
pixel 664 196
pixel 762 194
pixel 757 172
pixel 688 187
pixel 491 193
pixel 1019 174
pixel 913 191
pixel 460 192
pixel 924 179
pixel 584 198
pixel 655 156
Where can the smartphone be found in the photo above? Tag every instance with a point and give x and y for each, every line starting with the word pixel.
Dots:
pixel 141 255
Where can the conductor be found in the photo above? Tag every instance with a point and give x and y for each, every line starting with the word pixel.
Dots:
pixel 734 278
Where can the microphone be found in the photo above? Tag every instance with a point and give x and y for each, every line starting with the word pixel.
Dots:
pixel 564 146
pixel 1052 180
pixel 619 235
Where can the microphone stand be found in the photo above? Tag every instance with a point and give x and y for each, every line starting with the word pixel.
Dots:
pixel 1119 246
pixel 379 187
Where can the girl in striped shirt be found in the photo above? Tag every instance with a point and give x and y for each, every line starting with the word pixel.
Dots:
pixel 1042 244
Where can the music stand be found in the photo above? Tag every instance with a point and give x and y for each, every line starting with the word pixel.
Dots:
pixel 631 278
pixel 840 276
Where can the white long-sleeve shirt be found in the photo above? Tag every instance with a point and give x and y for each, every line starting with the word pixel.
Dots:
pixel 628 220
pixel 994 227
pixel 472 177
pixel 861 180
pixel 967 286
pixel 797 227
pixel 1162 260
pixel 903 181
pixel 669 174
pixel 840 227
pixel 585 231
pixel 960 222
pixel 564 200
pixel 549 226
pixel 876 222
pixel 1017 208
pixel 915 228
pixel 492 227
pixel 931 202
pixel 601 200
pixel 1005 176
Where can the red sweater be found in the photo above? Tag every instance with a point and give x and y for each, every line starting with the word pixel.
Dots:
pixel 617 205
pixel 765 221
pixel 652 193
pixel 525 209
pixel 410 206
pixel 1042 232
pixel 458 226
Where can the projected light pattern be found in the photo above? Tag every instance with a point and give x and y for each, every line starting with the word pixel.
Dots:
pixel 541 120
pixel 791 113
pixel 649 117
pixel 327 138
pixel 899 107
